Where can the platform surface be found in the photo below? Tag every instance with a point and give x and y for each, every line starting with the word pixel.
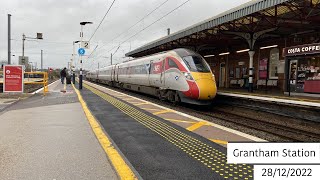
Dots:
pixel 161 143
pixel 50 138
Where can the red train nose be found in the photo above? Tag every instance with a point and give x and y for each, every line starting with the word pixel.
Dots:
pixel 193 91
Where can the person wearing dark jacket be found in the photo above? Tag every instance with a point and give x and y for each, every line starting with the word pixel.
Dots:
pixel 63 74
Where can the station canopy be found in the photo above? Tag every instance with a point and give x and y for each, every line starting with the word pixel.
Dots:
pixel 278 18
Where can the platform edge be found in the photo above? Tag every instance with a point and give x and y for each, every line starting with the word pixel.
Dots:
pixel 118 163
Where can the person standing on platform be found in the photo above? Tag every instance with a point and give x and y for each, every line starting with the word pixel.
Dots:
pixel 63 74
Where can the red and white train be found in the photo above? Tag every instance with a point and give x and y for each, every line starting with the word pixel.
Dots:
pixel 179 75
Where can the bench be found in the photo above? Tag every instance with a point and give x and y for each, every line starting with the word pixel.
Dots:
pixel 239 82
pixel 233 82
pixel 268 83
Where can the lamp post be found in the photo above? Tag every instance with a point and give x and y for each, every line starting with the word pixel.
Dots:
pixel 73 53
pixel 81 38
pixel 39 36
pixel 9 39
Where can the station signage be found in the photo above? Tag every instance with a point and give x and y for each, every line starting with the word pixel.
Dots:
pixel 277 161
pixel 302 49
pixel 13 78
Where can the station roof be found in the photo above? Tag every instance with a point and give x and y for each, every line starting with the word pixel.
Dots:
pixel 285 16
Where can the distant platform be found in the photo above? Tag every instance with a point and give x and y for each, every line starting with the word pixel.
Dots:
pixel 313 101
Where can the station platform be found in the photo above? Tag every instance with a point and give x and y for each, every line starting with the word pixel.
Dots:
pixel 161 143
pixel 99 133
pixel 49 137
pixel 312 100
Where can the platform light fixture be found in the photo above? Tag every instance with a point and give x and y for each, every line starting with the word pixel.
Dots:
pixel 243 50
pixel 226 53
pixel 212 55
pixel 267 47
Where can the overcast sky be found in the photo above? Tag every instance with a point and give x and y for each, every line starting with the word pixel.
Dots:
pixel 59 23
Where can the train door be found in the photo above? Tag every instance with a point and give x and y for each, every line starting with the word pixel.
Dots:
pixel 162 76
pixel 222 77
pixel 157 74
pixel 97 77
pixel 152 78
pixel 117 77
pixel 172 75
pixel 113 73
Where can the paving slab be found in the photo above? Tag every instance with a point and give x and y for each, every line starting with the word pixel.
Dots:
pixel 48 137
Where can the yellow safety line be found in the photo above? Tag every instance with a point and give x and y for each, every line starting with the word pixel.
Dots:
pixel 119 96
pixel 200 151
pixel 219 141
pixel 196 126
pixel 126 99
pixel 132 102
pixel 150 109
pixel 182 121
pixel 117 161
pixel 141 104
pixel 162 112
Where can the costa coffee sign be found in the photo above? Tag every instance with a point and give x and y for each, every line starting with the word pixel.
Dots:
pixel 302 50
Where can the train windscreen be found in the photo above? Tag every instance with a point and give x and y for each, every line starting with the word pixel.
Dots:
pixel 196 64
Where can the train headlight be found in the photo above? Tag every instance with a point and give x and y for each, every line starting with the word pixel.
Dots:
pixel 188 76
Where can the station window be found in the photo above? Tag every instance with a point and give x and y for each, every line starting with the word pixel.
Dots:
pixel 274 63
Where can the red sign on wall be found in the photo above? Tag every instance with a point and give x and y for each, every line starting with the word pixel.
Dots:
pixel 263 67
pixel 13 78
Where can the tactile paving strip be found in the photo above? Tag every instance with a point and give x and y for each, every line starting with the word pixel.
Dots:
pixel 207 155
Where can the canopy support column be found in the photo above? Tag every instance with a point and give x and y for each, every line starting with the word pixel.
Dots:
pixel 251 39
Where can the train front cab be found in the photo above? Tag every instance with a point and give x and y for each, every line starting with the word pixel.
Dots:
pixel 202 85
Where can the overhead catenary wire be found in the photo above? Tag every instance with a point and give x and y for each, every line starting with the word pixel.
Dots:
pixel 90 56
pixel 147 15
pixel 102 19
pixel 92 51
pixel 151 24
pixel 140 20
pixel 116 50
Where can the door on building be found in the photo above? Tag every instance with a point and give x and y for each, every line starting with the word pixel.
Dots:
pixel 222 77
pixel 293 74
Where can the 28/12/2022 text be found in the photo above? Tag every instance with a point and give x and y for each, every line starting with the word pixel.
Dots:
pixel 286 172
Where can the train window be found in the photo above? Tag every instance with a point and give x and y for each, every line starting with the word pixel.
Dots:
pixel 196 64
pixel 172 64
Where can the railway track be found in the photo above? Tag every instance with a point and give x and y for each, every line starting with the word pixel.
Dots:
pixel 276 129
pixel 272 127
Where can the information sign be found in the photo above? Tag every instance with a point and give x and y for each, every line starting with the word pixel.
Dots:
pixel 81 51
pixel 86 44
pixel 13 78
